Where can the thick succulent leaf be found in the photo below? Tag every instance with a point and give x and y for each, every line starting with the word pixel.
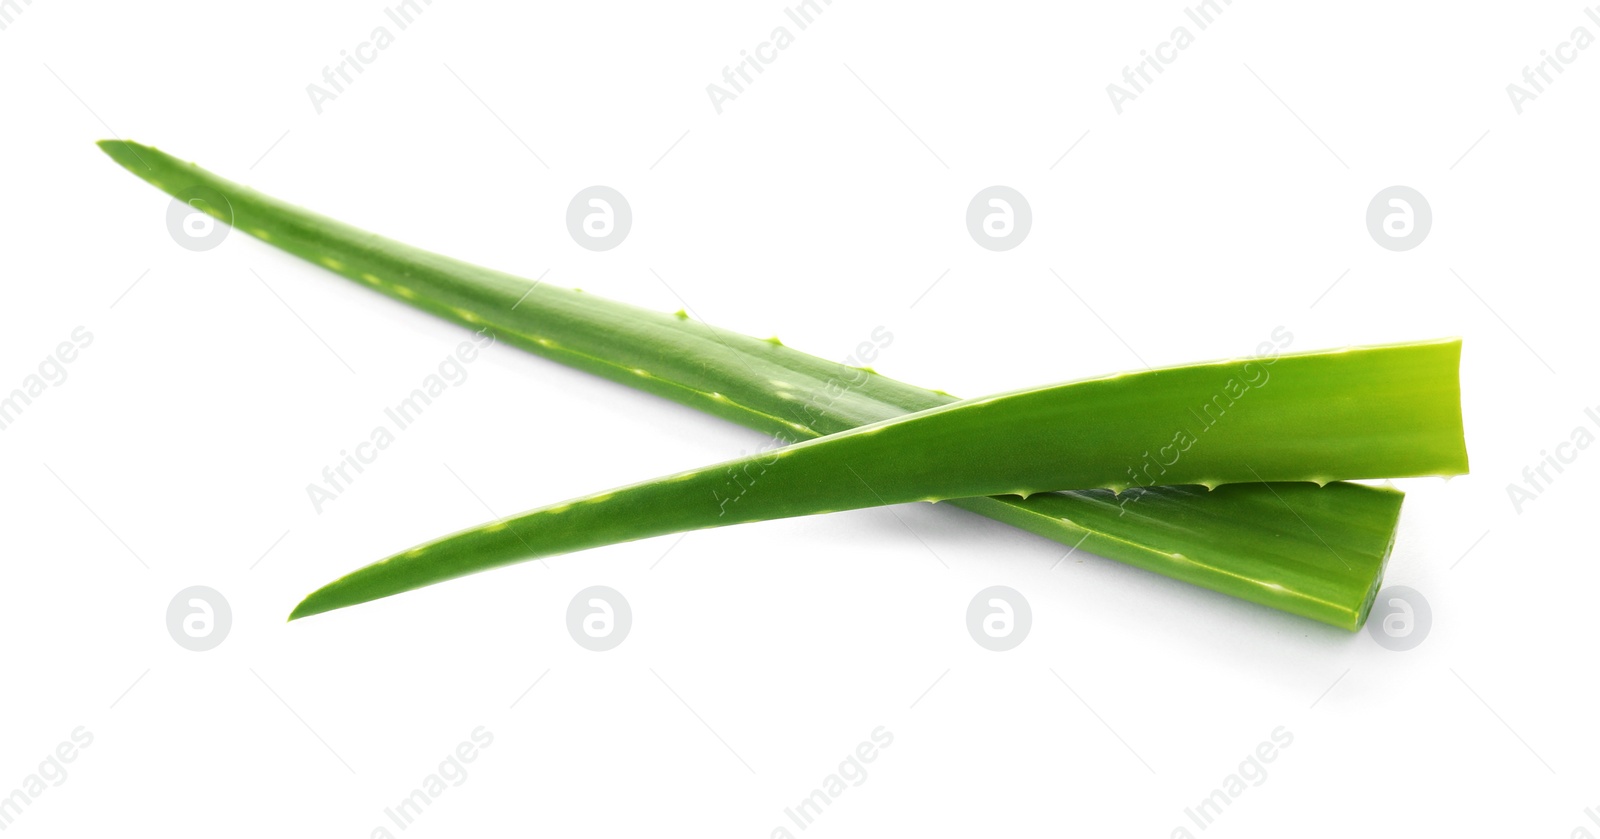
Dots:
pixel 1316 552
pixel 1370 412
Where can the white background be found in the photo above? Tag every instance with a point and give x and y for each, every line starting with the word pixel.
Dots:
pixel 822 203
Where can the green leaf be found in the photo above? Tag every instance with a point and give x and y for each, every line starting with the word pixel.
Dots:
pixel 1373 412
pixel 1314 552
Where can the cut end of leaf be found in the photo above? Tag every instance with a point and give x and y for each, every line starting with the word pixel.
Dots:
pixel 1365 609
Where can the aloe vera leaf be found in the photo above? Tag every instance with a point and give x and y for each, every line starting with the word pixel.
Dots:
pixel 1314 552
pixel 1390 411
